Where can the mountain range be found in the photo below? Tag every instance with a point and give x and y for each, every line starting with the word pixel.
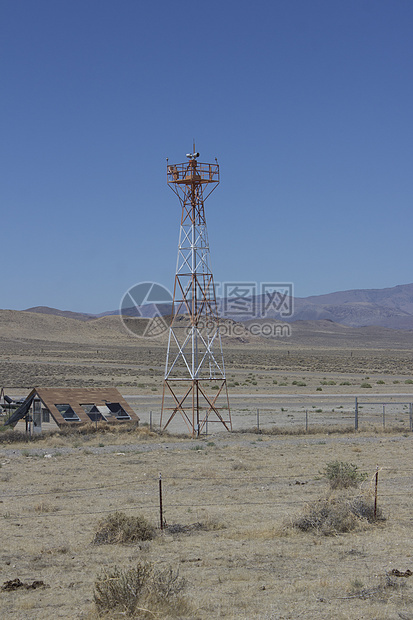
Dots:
pixel 387 307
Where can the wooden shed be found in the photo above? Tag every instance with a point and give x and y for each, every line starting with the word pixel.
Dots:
pixel 51 408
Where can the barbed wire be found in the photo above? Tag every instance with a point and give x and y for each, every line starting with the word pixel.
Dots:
pixel 314 477
pixel 231 482
pixel 54 514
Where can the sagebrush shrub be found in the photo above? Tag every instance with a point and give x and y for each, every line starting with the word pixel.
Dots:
pixel 338 514
pixel 342 475
pixel 142 591
pixel 121 528
pixel 120 590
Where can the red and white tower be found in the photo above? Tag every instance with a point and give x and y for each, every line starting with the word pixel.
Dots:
pixel 195 383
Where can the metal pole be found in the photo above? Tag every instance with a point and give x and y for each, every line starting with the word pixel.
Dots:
pixel 160 501
pixel 258 420
pixel 411 416
pixel 306 420
pixel 356 415
pixel 384 416
pixel 150 421
pixel 375 492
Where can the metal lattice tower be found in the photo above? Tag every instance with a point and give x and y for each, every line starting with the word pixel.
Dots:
pixel 195 383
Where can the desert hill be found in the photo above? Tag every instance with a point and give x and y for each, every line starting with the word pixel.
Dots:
pixel 397 297
pixel 79 316
pixel 388 307
pixel 21 326
pixel 326 333
pixel 48 350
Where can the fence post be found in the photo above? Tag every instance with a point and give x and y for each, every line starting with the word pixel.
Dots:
pixel 306 420
pixel 150 421
pixel 375 492
pixel 411 416
pixel 258 420
pixel 356 415
pixel 160 501
pixel 384 416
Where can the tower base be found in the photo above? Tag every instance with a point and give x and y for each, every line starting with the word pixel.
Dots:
pixel 190 399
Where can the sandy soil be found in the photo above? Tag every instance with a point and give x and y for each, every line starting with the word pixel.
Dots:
pixel 324 366
pixel 244 488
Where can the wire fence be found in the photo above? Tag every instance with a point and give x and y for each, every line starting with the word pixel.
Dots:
pixel 243 490
pixel 301 413
pixel 310 417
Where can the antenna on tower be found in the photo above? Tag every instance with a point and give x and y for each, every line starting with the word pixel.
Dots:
pixel 194 154
pixel 195 383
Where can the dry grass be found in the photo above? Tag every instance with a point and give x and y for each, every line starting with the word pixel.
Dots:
pixel 315 429
pixel 382 591
pixel 242 563
pixel 80 433
pixel 142 591
pixel 119 528
pixel 43 507
pixel 338 514
pixel 242 551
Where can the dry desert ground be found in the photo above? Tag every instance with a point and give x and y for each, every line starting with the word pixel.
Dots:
pixel 231 497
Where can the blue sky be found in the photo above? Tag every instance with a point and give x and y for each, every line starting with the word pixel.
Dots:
pixel 307 104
